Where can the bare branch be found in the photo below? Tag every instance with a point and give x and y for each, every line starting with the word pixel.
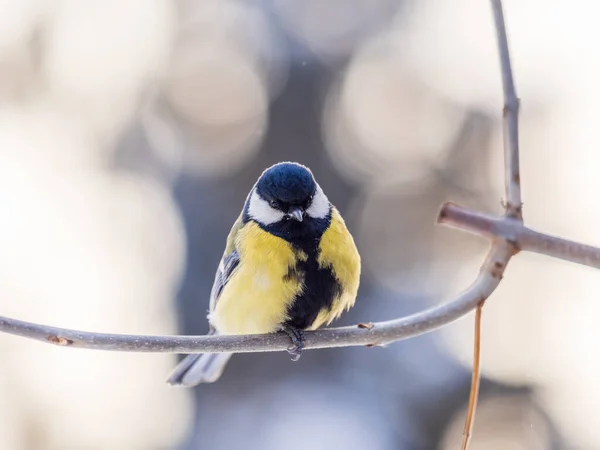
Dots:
pixel 510 116
pixel 380 334
pixel 523 238
pixel 512 186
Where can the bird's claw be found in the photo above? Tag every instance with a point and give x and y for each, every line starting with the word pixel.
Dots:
pixel 297 337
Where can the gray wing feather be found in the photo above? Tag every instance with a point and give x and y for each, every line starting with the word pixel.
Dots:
pixel 228 264
pixel 207 368
pixel 226 268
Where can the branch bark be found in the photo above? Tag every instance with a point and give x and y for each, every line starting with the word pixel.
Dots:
pixel 519 235
pixel 380 333
pixel 510 115
pixel 512 187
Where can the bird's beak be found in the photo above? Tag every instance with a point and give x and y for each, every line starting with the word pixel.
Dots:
pixel 295 213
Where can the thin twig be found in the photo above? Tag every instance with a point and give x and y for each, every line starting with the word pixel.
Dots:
pixel 475 380
pixel 510 116
pixel 523 238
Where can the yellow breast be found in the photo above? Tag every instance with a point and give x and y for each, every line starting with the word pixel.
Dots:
pixel 258 294
pixel 257 297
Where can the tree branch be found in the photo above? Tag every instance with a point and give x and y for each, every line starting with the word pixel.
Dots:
pixel 380 333
pixel 510 115
pixel 520 236
pixel 512 187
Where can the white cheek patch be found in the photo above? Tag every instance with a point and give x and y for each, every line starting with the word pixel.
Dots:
pixel 260 210
pixel 319 208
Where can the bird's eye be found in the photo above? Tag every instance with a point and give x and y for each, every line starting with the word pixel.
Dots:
pixel 274 204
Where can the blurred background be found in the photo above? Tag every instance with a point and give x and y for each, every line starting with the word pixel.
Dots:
pixel 130 134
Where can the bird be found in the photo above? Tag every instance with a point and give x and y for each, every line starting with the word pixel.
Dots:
pixel 290 264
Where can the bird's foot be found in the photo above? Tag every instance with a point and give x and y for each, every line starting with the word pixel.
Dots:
pixel 297 337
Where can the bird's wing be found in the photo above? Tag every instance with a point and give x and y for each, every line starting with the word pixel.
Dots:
pixel 228 264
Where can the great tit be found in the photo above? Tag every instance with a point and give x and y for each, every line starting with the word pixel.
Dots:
pixel 290 264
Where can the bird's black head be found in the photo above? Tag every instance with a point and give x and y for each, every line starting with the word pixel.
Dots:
pixel 287 200
pixel 287 185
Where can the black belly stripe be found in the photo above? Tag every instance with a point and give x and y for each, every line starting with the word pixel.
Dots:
pixel 321 288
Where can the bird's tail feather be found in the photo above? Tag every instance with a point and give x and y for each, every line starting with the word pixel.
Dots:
pixel 199 368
